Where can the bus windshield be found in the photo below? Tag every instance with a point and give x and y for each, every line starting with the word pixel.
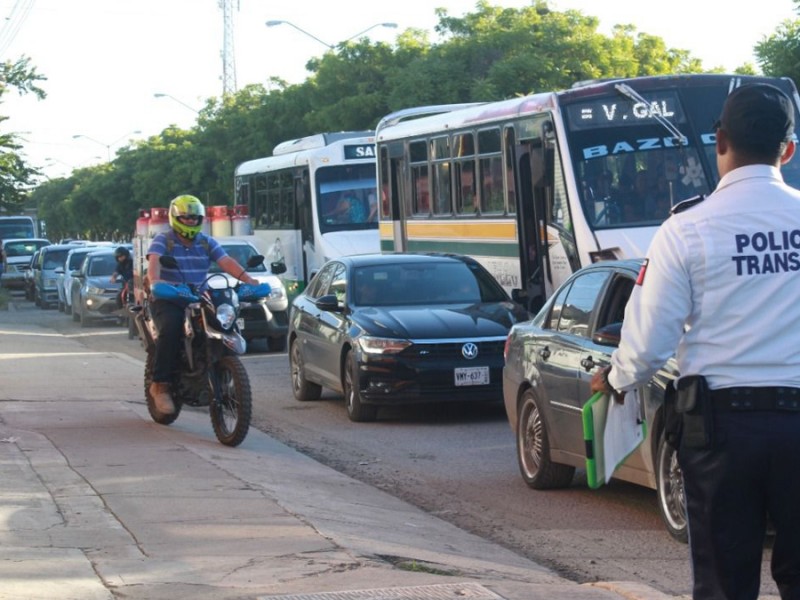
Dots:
pixel 634 160
pixel 346 197
pixel 16 227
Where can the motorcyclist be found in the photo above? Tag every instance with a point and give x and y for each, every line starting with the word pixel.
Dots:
pixel 122 272
pixel 194 251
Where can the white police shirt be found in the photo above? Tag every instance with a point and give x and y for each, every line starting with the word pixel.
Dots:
pixel 722 285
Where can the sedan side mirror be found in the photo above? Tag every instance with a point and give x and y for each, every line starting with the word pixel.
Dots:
pixel 608 335
pixel 328 302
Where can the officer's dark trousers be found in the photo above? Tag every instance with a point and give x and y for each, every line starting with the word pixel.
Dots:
pixel 169 321
pixel 751 470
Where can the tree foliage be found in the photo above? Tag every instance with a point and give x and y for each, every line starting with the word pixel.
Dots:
pixel 489 54
pixel 779 54
pixel 16 176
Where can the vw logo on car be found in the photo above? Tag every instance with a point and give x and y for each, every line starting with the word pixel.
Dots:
pixel 469 350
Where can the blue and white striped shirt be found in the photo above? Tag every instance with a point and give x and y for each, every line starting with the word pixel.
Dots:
pixel 193 260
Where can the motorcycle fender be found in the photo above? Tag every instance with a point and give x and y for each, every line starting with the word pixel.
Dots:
pixel 234 342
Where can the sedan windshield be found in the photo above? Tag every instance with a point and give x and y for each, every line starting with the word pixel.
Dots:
pixel 424 284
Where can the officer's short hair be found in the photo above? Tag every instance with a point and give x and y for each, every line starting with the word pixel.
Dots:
pixel 758 119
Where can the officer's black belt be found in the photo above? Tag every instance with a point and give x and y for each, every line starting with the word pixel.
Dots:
pixel 756 398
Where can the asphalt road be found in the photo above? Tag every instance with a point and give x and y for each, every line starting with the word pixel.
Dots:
pixel 458 462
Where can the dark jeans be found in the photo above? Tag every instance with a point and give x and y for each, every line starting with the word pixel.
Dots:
pixel 752 470
pixel 169 321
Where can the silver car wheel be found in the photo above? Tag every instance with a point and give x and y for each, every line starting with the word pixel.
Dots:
pixel 671 494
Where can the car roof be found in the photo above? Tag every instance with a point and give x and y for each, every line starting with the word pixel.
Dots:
pixel 24 240
pixel 54 247
pixel 365 260
pixel 103 251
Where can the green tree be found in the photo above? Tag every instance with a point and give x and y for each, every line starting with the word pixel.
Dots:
pixel 16 176
pixel 779 54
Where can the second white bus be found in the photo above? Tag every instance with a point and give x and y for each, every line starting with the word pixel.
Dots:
pixel 314 199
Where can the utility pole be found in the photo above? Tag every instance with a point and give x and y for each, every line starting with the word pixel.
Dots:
pixel 228 58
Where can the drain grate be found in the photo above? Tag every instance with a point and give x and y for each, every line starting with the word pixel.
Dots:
pixel 445 591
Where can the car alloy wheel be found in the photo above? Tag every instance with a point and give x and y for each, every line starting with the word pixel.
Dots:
pixel 671 495
pixel 533 449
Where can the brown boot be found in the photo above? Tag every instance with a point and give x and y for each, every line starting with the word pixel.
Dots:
pixel 162 398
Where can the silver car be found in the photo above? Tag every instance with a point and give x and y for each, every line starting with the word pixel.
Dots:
pixel 17 255
pixel 549 364
pixel 93 295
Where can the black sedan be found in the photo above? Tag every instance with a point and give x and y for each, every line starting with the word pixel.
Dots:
pixel 546 381
pixel 388 329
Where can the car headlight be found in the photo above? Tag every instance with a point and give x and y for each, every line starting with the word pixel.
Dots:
pixel 378 345
pixel 276 294
pixel 226 315
pixel 95 291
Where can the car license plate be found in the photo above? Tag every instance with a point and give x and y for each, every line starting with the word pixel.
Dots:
pixel 472 376
pixel 240 323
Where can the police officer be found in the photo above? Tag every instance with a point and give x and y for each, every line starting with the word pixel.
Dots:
pixel 721 285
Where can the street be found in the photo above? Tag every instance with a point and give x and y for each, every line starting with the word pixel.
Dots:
pixel 456 462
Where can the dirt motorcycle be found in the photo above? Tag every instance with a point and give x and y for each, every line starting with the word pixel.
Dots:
pixel 209 370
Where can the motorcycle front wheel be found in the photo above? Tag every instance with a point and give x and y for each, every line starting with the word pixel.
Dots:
pixel 231 409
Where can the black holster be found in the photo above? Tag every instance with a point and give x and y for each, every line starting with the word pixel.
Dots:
pixel 693 404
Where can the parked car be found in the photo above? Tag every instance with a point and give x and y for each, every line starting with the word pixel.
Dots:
pixel 17 255
pixel 93 295
pixel 546 381
pixel 64 276
pixel 29 272
pixel 388 329
pixel 45 281
pixel 269 318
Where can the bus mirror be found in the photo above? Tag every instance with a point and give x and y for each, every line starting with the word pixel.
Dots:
pixel 277 267
pixel 519 296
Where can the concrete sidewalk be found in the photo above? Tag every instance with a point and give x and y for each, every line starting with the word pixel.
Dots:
pixel 99 502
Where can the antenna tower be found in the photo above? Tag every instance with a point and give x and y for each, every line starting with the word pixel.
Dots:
pixel 228 59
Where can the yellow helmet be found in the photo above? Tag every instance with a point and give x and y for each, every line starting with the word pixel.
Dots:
pixel 186 214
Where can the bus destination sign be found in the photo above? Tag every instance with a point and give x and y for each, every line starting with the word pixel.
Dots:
pixel 619 111
pixel 359 151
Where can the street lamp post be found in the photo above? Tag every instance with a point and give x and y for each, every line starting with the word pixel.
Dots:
pixel 107 146
pixel 330 46
pixel 181 102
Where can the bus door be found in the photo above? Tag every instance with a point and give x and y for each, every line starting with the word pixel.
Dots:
pixel 392 192
pixel 529 176
pixel 305 220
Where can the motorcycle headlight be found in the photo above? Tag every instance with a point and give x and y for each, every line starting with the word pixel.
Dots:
pixel 226 315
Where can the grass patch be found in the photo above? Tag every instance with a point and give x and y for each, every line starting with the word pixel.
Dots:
pixel 416 566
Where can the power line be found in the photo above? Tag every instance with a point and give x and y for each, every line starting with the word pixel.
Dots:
pixel 13 23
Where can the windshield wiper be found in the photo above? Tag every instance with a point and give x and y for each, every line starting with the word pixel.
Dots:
pixel 632 94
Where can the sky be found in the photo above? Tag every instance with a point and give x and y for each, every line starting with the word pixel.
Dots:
pixel 106 59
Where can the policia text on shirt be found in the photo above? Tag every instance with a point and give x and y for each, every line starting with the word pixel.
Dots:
pixel 778 252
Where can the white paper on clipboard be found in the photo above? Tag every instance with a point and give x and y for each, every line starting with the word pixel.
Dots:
pixel 624 431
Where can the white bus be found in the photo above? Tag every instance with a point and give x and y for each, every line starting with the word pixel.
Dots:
pixel 537 187
pixel 314 199
pixel 17 227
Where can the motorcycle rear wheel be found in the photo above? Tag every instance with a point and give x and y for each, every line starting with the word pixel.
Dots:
pixel 232 411
pixel 151 407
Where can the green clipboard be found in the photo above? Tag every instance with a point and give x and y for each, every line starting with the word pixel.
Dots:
pixel 603 459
